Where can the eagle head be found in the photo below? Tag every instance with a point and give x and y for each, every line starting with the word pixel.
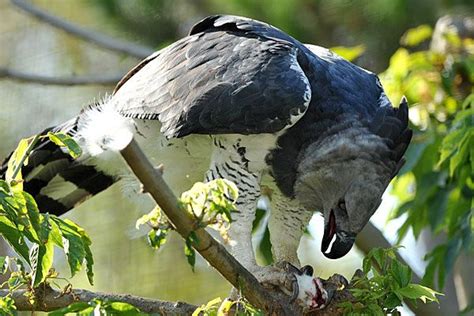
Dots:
pixel 344 174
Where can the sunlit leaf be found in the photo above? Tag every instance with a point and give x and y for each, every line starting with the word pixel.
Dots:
pixel 122 309
pixel 157 237
pixel 64 140
pixel 73 308
pixel 7 306
pixel 399 63
pixel 416 291
pixel 17 158
pixel 416 35
pixel 208 309
pixel 349 53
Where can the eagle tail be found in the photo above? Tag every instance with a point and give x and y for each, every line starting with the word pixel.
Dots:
pixel 59 182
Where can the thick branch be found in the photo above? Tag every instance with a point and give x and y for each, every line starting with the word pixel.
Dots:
pixel 207 246
pixel 48 299
pixel 102 40
pixel 60 81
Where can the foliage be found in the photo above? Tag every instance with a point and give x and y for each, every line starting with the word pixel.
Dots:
pixel 384 284
pixel 436 185
pixel 218 307
pixel 21 220
pixel 98 307
pixel 159 227
pixel 34 235
pixel 64 140
pixel 349 53
pixel 210 204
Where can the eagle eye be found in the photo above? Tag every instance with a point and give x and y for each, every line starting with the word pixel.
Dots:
pixel 342 205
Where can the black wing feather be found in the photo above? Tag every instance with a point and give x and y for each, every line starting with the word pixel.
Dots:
pixel 220 79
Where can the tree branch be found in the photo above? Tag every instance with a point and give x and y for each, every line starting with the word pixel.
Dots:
pixel 207 246
pixel 59 81
pixel 102 40
pixel 48 299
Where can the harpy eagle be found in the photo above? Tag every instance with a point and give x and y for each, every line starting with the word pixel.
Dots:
pixel 241 100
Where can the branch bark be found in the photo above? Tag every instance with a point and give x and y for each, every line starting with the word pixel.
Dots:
pixel 59 81
pixel 48 299
pixel 131 49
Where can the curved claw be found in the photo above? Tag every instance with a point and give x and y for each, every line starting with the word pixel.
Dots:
pixel 333 284
pixel 298 284
pixel 296 291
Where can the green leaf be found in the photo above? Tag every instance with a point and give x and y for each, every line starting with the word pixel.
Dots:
pixel 462 153
pixel 435 266
pixel 73 308
pixel 64 140
pixel 122 309
pixel 15 162
pixel 190 253
pixel 152 217
pixel 413 154
pixel 416 291
pixel 15 280
pixel 99 307
pixel 13 236
pixel 391 301
pixel 3 264
pixel 349 53
pixel 399 63
pixel 437 208
pixel 157 237
pixel 41 258
pixel 416 35
pixel 89 264
pixel 76 244
pixel 453 250
pixel 34 217
pixel 73 246
pixel 401 273
pixel 7 306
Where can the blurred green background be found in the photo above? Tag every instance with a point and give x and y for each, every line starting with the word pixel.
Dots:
pixel 123 261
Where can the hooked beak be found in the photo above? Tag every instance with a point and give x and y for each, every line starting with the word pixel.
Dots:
pixel 342 241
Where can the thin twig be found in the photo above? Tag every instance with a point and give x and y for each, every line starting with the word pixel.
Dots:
pixel 131 49
pixel 15 75
pixel 48 299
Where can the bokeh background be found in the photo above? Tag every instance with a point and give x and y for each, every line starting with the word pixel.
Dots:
pixel 123 261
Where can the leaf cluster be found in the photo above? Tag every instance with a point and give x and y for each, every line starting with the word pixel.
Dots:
pixel 210 204
pixel 219 307
pixel 98 307
pixel 34 235
pixel 436 185
pixel 383 284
